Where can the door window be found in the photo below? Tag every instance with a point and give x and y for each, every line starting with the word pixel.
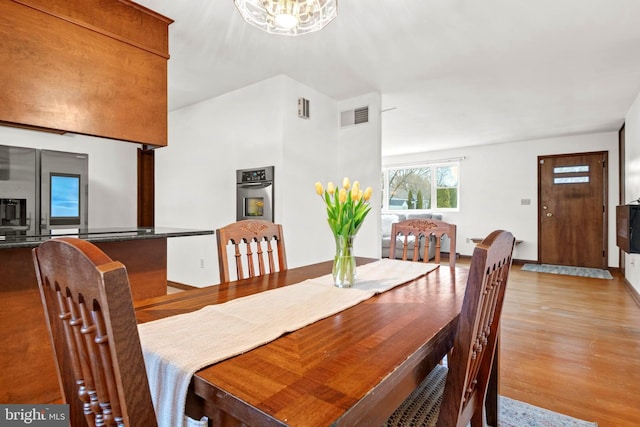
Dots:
pixel 576 178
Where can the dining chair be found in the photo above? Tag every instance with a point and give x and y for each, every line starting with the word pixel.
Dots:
pixel 455 395
pixel 89 312
pixel 416 235
pixel 254 243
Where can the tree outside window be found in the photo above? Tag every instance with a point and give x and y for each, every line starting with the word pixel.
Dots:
pixel 414 189
pixel 405 185
pixel 447 186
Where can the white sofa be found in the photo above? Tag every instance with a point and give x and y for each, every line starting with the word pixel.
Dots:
pixel 388 219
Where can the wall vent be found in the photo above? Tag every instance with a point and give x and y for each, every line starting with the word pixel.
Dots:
pixel 303 108
pixel 357 116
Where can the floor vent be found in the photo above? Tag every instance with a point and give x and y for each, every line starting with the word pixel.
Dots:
pixel 357 116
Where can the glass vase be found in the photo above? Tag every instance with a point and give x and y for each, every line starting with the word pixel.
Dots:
pixel 344 263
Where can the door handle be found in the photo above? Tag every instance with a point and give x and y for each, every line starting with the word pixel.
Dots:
pixel 255 185
pixel 549 214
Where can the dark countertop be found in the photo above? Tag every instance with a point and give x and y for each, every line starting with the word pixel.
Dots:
pixel 100 235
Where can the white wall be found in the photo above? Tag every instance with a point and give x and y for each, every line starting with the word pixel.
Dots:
pixel 195 174
pixel 632 181
pixel 361 159
pixel 319 150
pixel 310 154
pixel 494 179
pixel 113 179
pixel 252 127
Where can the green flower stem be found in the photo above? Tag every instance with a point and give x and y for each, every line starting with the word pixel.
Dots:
pixel 345 218
pixel 344 263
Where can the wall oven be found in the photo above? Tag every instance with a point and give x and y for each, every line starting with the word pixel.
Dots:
pixel 254 193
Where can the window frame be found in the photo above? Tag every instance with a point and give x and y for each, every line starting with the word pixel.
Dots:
pixel 433 166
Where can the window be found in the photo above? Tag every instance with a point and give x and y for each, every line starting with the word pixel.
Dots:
pixel 578 174
pixel 428 187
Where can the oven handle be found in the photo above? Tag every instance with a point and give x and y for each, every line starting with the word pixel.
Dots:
pixel 255 185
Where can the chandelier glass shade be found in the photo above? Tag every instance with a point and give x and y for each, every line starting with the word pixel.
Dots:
pixel 288 17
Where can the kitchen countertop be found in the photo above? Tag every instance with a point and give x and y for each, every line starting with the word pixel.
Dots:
pixel 100 235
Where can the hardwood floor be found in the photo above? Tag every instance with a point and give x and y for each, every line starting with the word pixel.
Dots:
pixel 572 345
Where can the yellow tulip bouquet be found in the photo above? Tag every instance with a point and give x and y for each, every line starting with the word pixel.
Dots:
pixel 346 211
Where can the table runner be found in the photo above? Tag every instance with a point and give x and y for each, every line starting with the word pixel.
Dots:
pixel 176 347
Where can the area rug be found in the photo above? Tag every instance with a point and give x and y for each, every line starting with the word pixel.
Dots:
pixel 570 271
pixel 514 413
pixel 421 408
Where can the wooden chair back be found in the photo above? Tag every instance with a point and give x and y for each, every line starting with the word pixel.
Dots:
pixel 416 238
pixel 474 346
pixel 89 311
pixel 253 243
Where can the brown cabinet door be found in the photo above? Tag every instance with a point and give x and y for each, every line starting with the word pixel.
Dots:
pixel 63 67
pixel 572 210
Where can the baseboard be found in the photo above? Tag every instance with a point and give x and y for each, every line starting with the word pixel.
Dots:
pixel 180 285
pixel 632 291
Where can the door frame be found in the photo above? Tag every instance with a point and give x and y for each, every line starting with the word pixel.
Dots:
pixel 621 186
pixel 605 201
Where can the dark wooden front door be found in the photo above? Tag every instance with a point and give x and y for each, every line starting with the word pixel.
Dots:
pixel 572 202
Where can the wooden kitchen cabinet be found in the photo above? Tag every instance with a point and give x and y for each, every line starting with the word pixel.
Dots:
pixel 29 373
pixel 94 67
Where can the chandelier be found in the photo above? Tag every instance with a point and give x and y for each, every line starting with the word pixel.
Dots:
pixel 288 17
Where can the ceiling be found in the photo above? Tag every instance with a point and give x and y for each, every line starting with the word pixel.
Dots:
pixel 451 73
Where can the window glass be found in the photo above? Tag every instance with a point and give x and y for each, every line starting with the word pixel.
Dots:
pixel 409 188
pixel 447 186
pixel 427 187
pixel 571 169
pixel 571 180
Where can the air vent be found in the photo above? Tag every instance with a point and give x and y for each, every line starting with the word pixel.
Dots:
pixel 354 117
pixel 303 108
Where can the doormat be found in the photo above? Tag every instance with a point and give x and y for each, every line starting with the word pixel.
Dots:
pixel 514 413
pixel 595 273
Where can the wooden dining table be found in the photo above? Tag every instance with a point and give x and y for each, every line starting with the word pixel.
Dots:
pixel 352 368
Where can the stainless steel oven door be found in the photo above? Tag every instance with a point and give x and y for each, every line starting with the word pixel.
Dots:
pixel 255 201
